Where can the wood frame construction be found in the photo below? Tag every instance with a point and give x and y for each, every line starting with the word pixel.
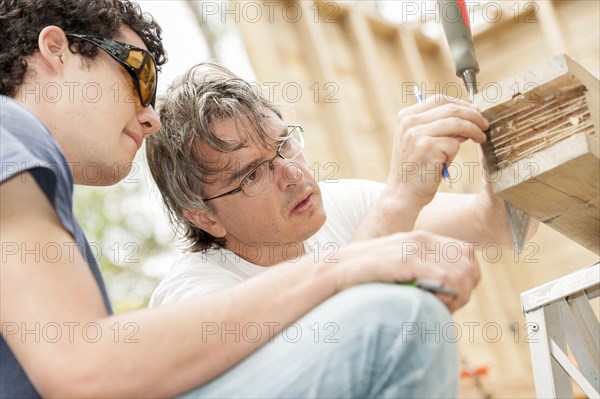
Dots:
pixel 543 148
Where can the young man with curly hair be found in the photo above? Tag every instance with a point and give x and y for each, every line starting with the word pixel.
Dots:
pixel 78 84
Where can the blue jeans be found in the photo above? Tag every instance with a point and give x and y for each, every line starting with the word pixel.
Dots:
pixel 370 341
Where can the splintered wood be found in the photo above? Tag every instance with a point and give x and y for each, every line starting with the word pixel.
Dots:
pixel 520 134
pixel 542 154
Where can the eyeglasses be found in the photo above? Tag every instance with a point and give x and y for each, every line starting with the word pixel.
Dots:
pixel 260 177
pixel 138 62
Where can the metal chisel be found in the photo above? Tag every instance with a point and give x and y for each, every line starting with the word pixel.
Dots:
pixel 460 42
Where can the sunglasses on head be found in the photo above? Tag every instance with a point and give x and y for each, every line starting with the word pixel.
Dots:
pixel 138 62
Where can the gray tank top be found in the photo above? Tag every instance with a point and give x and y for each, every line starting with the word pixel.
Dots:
pixel 26 145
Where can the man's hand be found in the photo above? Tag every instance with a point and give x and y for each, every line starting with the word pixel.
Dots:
pixel 406 257
pixel 427 136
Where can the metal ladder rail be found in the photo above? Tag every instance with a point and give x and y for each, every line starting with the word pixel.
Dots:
pixel 558 314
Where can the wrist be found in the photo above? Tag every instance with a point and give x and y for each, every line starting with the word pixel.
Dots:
pixel 348 269
pixel 492 221
pixel 328 273
pixel 395 204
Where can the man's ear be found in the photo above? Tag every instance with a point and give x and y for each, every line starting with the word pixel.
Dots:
pixel 206 221
pixel 54 46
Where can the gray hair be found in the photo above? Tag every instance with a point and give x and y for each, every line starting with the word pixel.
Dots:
pixel 206 93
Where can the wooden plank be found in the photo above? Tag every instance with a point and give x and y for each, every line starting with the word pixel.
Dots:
pixel 543 149
pixel 551 27
pixel 254 35
pixel 314 40
pixel 414 59
pixel 373 79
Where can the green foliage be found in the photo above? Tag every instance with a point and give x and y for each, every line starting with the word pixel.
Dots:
pixel 129 237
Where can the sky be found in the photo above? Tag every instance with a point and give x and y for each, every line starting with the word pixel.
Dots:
pixel 181 37
pixel 185 44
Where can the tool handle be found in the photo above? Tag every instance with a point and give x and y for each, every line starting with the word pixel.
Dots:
pixel 457 28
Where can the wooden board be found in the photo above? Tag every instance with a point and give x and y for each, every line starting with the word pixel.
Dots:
pixel 542 151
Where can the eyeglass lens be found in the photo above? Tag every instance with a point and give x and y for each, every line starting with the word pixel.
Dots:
pixel 146 76
pixel 260 177
pixel 138 62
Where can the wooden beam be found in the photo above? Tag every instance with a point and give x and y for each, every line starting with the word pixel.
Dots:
pixel 543 148
pixel 314 40
pixel 264 58
pixel 551 27
pixel 202 22
pixel 414 58
pixel 373 79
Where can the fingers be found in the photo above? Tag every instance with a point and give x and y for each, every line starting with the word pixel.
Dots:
pixel 462 111
pixel 466 280
pixel 440 106
pixel 430 134
pixel 438 100
pixel 445 260
pixel 451 120
pixel 463 281
pixel 436 149
pixel 407 257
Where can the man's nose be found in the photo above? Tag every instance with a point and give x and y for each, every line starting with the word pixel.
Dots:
pixel 148 118
pixel 288 173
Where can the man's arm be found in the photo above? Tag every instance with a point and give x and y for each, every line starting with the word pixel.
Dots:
pixel 476 218
pixel 428 135
pixel 127 355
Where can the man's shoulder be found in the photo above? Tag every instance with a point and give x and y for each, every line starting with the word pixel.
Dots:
pixel 348 186
pixel 18 122
pixel 27 144
pixel 346 202
pixel 29 150
pixel 192 274
pixel 190 262
pixel 343 193
pixel 202 264
pixel 13 107
pixel 213 262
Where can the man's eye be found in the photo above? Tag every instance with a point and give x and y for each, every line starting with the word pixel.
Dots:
pixel 253 177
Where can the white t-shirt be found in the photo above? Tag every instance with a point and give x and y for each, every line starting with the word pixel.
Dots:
pixel 346 204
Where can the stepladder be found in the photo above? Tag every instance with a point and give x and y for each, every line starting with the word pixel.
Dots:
pixel 565 334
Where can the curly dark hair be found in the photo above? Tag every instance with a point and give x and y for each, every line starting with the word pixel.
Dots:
pixel 21 22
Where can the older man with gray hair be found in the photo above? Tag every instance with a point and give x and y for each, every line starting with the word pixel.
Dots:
pixel 238 190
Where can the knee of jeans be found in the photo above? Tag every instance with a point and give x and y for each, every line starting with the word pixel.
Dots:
pixel 392 304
